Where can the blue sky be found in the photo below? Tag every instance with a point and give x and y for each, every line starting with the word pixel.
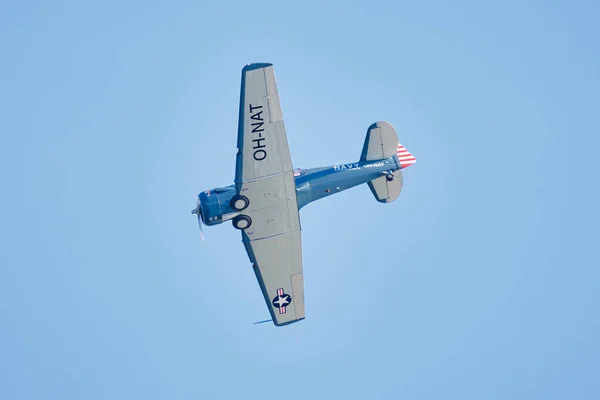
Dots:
pixel 480 282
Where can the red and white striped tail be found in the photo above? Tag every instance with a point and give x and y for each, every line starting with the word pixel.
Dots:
pixel 405 157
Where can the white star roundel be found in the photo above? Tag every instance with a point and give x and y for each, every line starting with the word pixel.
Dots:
pixel 281 301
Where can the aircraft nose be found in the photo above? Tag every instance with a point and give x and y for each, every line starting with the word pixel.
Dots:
pixel 197 209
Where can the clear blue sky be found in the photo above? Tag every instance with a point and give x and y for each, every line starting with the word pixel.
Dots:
pixel 480 282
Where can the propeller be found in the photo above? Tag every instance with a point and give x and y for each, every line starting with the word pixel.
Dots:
pixel 198 212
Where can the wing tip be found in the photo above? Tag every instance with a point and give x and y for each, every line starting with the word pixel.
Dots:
pixel 278 324
pixel 253 66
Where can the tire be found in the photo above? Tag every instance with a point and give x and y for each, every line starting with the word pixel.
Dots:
pixel 239 202
pixel 242 222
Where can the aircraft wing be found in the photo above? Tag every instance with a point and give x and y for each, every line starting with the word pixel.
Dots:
pixel 264 174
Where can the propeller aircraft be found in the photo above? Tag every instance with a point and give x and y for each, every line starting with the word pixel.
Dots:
pixel 267 193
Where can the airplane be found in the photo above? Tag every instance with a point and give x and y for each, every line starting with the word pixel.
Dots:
pixel 267 193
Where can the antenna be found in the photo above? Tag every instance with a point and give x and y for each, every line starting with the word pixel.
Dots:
pixel 262 322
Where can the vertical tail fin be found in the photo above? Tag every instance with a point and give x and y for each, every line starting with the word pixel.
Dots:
pixel 406 159
pixel 380 142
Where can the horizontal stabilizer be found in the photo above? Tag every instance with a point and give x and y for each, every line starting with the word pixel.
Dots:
pixel 384 190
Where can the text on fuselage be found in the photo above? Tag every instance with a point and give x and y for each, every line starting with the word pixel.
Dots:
pixel 346 167
pixel 256 124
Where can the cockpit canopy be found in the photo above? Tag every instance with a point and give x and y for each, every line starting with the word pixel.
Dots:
pixel 299 171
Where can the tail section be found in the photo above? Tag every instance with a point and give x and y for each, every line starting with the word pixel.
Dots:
pixel 382 142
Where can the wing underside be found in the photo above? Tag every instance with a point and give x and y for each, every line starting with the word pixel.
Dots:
pixel 264 174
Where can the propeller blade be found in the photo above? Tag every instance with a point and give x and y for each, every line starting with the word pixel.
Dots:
pixel 198 212
pixel 200 225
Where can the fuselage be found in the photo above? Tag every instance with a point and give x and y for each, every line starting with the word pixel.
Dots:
pixel 311 184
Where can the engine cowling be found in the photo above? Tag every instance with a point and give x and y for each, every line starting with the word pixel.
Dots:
pixel 214 204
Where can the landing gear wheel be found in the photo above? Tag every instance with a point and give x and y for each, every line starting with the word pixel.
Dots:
pixel 239 202
pixel 242 222
pixel 389 177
